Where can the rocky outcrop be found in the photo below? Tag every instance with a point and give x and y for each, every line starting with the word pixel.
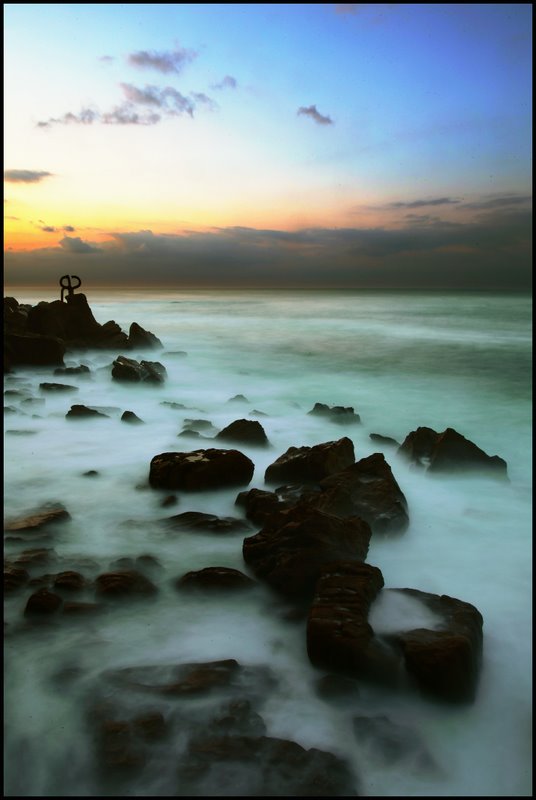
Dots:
pixel 206 523
pixel 46 515
pixel 311 464
pixel 131 418
pixel 244 431
pixel 141 339
pixel 83 412
pixel 130 371
pixel 215 579
pixel 123 583
pixel 32 349
pixel 449 451
pixel 200 469
pixel 340 414
pixel 292 550
pixel 42 602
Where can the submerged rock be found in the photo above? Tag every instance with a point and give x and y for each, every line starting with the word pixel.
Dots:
pixel 40 518
pixel 215 579
pixel 123 582
pixel 340 414
pixel 42 602
pixel 207 523
pixel 81 412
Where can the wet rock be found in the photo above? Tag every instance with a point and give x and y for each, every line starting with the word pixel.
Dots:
pixel 36 557
pixel 238 398
pixel 200 469
pixel 91 473
pixel 76 608
pixel 57 387
pixel 339 636
pixel 141 339
pixel 83 412
pixel 366 489
pixel 131 417
pixel 449 451
pixel 32 349
pixel 292 550
pixel 244 431
pixel 42 602
pixel 394 743
pixel 385 440
pixel 337 687
pixel 445 662
pixel 418 445
pixel 339 414
pixel 124 583
pixel 48 514
pixel 207 523
pixel 170 500
pixel 262 766
pixel 80 370
pixel 215 579
pixel 259 505
pixel 199 425
pixel 311 464
pixel 14 577
pixel 130 371
pixel 70 581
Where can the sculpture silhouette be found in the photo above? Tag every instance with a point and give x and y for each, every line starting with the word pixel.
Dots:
pixel 67 286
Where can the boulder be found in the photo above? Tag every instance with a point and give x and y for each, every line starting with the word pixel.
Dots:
pixel 83 412
pixel 292 550
pixel 131 371
pixel 417 446
pixel 131 418
pixel 339 637
pixel 124 583
pixel 80 370
pixel 70 581
pixel 200 469
pixel 449 451
pixel 207 523
pixel 244 431
pixel 42 602
pixel 140 339
pixel 57 387
pixel 14 577
pixel 366 489
pixel 32 349
pixel 339 414
pixel 311 464
pixel 259 505
pixel 48 514
pixel 215 579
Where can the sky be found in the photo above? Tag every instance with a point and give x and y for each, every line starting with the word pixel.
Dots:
pixel 268 145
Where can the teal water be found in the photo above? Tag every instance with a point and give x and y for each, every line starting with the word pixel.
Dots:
pixel 401 359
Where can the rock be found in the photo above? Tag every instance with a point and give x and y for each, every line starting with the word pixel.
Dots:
pixel 129 370
pixel 40 518
pixel 32 349
pixel 386 440
pixel 340 414
pixel 450 451
pixel 311 464
pixel 445 662
pixel 139 338
pixel 70 581
pixel 57 387
pixel 75 608
pixel 123 582
pixel 215 579
pixel 366 489
pixel 260 505
pixel 42 602
pixel 181 679
pixel 199 425
pixel 170 500
pixel 83 412
pixel 238 398
pixel 292 550
pixel 339 637
pixel 200 469
pixel 394 743
pixel 337 687
pixel 262 766
pixel 131 417
pixel 14 577
pixel 207 523
pixel 91 473
pixel 244 431
pixel 81 370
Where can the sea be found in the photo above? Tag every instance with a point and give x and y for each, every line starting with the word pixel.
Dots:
pixel 400 359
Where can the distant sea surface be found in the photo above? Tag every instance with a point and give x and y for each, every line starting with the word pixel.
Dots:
pixel 401 359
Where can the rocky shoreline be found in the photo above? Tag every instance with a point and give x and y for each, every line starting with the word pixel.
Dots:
pixel 308 534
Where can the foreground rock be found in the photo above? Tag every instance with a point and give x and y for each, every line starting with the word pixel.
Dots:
pixel 450 452
pixel 200 469
pixel 292 550
pixel 31 349
pixel 311 464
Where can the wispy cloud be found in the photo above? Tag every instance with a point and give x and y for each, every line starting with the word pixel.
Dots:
pixel 436 201
pixel 312 111
pixel 499 201
pixel 167 99
pixel 25 175
pixel 346 8
pixel 75 246
pixel 227 83
pixel 165 62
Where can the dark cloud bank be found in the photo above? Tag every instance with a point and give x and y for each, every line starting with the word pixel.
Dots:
pixel 493 252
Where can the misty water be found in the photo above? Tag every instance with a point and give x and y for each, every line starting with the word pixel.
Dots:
pixel 402 360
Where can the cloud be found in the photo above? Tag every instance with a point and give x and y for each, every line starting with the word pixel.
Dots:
pixel 75 245
pixel 106 59
pixel 438 201
pixel 499 201
pixel 489 253
pixel 164 62
pixel 204 100
pixel 49 229
pixel 68 228
pixel 311 111
pixel 25 175
pixel 168 99
pixel 227 83
pixel 346 8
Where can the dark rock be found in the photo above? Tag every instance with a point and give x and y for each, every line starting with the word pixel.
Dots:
pixel 393 742
pixel 81 370
pixel 340 414
pixel 173 404
pixel 339 637
pixel 292 550
pixel 42 602
pixel 83 412
pixel 14 577
pixel 57 387
pixel 32 349
pixel 182 679
pixel 141 339
pixel 244 431
pixel 366 489
pixel 208 523
pixel 215 579
pixel 75 608
pixel 259 505
pixel 199 425
pixel 36 557
pixel 386 440
pixel 131 417
pixel 70 581
pixel 262 766
pixel 200 469
pixel 445 662
pixel 124 582
pixel 337 687
pixel 450 452
pixel 131 371
pixel 91 473
pixel 36 520
pixel 417 446
pixel 238 398
pixel 170 500
pixel 311 464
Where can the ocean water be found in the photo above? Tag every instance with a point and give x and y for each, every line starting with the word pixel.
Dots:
pixel 401 359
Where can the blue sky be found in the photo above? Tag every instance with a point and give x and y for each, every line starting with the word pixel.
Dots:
pixel 201 136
